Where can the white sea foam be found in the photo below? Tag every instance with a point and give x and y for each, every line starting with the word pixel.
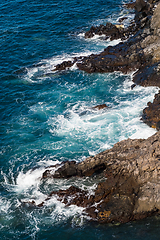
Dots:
pixel 107 126
pixel 27 180
pixel 45 68
pixel 61 213
pixel 99 40
pixel 28 188
pixel 4 205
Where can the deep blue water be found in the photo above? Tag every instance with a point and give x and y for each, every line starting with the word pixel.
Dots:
pixel 47 117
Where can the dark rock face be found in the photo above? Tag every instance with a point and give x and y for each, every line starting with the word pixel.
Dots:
pixel 65 171
pixel 64 65
pixel 101 106
pixel 148 76
pixel 109 30
pixel 139 51
pixel 131 189
pixel 69 169
pixel 151 114
pixel 143 9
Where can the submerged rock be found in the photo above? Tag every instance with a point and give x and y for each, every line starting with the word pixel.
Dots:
pixel 64 65
pixel 101 106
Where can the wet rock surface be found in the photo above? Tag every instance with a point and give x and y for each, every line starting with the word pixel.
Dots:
pixel 151 114
pixel 131 189
pixel 139 51
pixel 124 57
pixel 109 31
pixel 101 106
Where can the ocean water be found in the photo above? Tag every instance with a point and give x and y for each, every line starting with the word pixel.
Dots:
pixel 47 117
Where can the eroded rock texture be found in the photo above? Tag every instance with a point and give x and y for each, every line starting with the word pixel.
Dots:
pixel 151 114
pixel 132 186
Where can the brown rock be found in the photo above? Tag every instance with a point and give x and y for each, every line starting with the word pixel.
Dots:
pixel 131 190
pixel 101 106
pixel 64 65
pixel 155 22
pixel 151 114
pixel 109 30
pixel 148 76
pixel 130 5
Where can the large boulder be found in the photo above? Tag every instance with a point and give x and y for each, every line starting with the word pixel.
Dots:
pixel 148 76
pixel 151 114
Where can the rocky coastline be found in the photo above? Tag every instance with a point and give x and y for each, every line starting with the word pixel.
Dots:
pixel 131 188
pixel 131 169
pixel 139 50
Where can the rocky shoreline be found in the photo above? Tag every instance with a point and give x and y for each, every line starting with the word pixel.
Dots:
pixel 131 189
pixel 131 169
pixel 139 51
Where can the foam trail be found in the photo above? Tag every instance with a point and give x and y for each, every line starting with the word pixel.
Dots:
pixel 45 68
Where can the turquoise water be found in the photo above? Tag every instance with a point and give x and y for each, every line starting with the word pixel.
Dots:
pixel 48 117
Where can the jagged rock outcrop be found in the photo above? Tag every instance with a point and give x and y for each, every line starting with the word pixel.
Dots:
pixel 151 114
pixel 131 189
pixel 140 52
pixel 109 31
pixel 101 106
pixel 149 75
